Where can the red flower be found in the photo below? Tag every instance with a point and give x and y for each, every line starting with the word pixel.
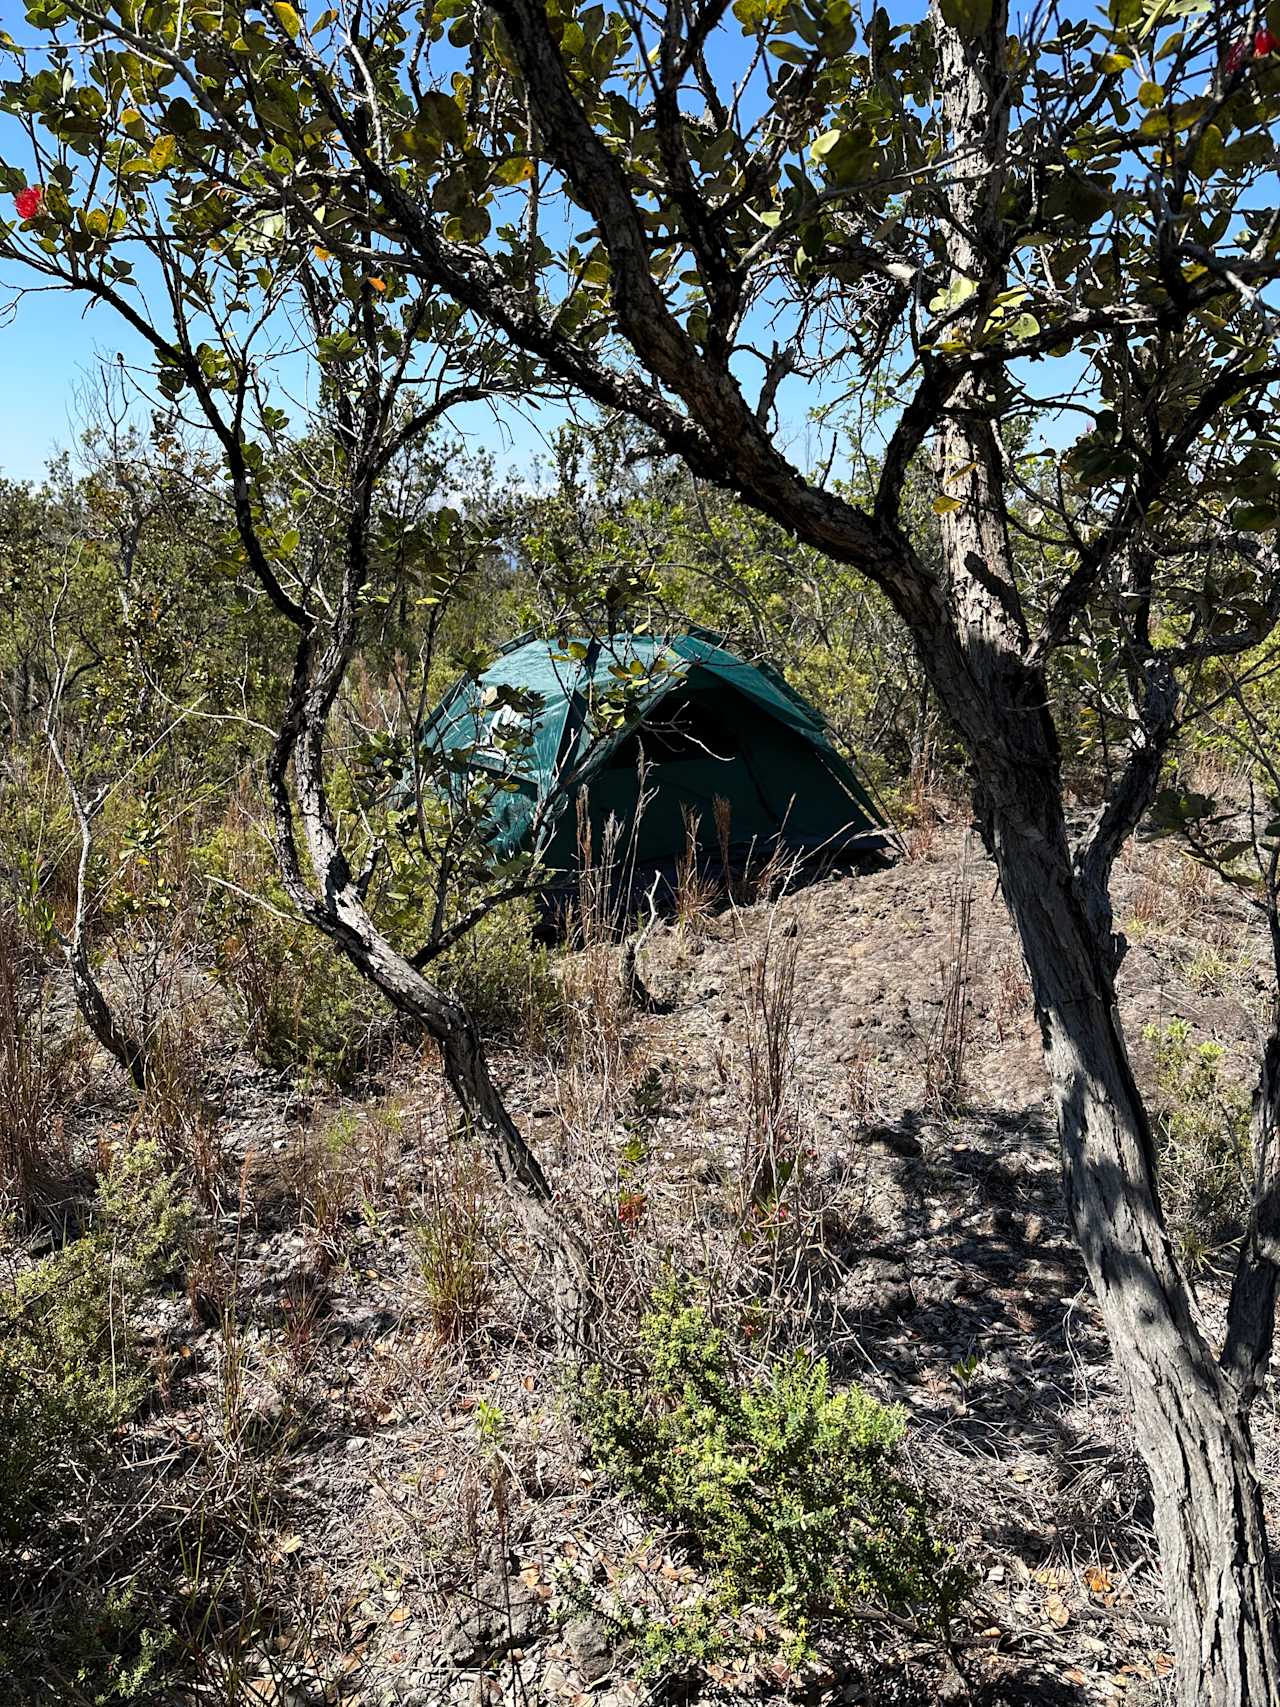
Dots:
pixel 28 201
pixel 1264 43
pixel 1236 58
pixel 631 1207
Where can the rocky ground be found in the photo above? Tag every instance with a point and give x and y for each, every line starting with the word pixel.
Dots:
pixel 435 1521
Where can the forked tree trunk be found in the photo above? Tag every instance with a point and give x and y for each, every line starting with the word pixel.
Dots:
pixel 335 905
pixel 1191 1425
pixel 1192 1432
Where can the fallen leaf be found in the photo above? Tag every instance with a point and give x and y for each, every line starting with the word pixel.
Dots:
pixel 1097 1579
pixel 1053 1576
pixel 1056 1610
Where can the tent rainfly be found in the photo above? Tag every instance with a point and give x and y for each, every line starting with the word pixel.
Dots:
pixel 700 723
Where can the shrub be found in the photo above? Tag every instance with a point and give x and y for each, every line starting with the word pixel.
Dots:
pixel 70 1378
pixel 69 1375
pixel 302 1004
pixel 1203 1149
pixel 36 1079
pixel 505 978
pixel 791 1492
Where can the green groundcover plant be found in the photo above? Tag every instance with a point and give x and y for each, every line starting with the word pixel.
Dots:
pixel 792 1493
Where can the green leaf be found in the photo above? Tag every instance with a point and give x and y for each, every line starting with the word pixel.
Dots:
pixel 288 19
pixel 162 152
pixel 444 117
pixel 958 291
pixel 1255 518
pixel 514 171
pixel 1172 808
pixel 943 506
pixel 1210 152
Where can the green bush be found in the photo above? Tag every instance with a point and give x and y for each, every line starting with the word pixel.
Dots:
pixel 71 1378
pixel 791 1492
pixel 1203 1150
pixel 302 1004
pixel 68 1371
pixel 505 978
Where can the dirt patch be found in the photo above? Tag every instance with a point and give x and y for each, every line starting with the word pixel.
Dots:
pixel 438 1525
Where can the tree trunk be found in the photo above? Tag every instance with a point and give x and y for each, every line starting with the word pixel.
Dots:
pixel 1192 1431
pixel 1192 1434
pixel 336 907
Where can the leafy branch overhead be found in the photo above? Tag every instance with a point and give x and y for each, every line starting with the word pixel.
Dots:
pixel 579 189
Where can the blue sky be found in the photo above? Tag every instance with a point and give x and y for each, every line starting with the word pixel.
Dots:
pixel 50 344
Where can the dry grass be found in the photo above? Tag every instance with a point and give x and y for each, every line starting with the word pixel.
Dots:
pixel 926 820
pixel 863 1087
pixel 697 894
pixel 173 1109
pixel 454 1236
pixel 38 1080
pixel 1011 999
pixel 475 1477
pixel 1173 895
pixel 767 989
pixel 946 1048
pixel 343 1167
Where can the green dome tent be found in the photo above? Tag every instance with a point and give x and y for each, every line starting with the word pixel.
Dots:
pixel 706 724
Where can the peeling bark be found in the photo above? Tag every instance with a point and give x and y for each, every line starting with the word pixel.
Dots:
pixel 332 901
pixel 1192 1433
pixel 96 1011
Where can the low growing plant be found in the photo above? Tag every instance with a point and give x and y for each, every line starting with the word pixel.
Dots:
pixel 792 1492
pixel 71 1378
pixel 1201 1120
pixel 69 1374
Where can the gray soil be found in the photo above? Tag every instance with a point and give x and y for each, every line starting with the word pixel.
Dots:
pixel 438 1524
